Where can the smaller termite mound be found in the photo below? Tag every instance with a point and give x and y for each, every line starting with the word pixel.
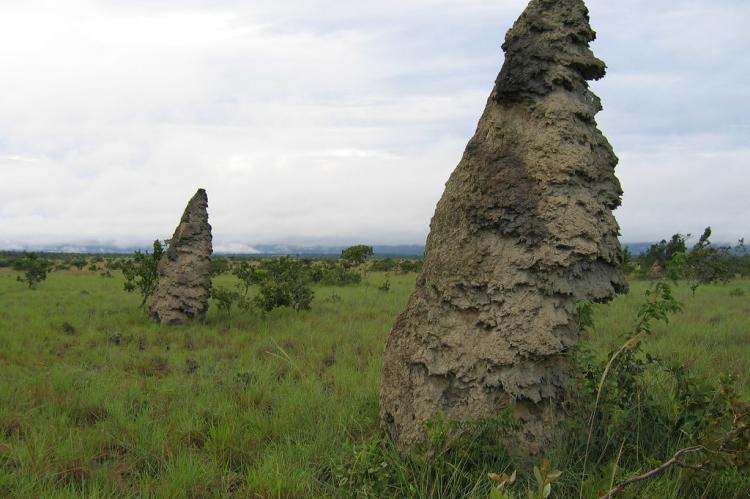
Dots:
pixel 185 268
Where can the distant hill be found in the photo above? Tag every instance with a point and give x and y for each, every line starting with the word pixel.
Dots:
pixel 260 250
pixel 381 250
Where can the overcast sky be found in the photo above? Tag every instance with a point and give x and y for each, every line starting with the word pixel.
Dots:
pixel 338 121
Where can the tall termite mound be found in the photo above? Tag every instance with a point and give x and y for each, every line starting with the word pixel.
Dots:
pixel 185 268
pixel 524 231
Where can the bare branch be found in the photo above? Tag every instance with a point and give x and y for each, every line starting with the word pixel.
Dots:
pixel 675 461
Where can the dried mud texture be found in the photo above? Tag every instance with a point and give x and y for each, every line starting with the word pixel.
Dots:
pixel 185 268
pixel 524 231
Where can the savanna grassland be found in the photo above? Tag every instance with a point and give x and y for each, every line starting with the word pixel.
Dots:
pixel 97 401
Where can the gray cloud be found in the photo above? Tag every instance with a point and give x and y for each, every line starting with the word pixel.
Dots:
pixel 330 121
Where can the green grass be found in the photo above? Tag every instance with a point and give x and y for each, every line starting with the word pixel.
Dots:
pixel 256 405
pixel 711 335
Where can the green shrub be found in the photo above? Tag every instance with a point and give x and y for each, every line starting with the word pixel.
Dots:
pixel 356 255
pixel 219 265
pixel 283 282
pixel 141 272
pixel 340 275
pixel 34 268
pixel 406 266
pixel 225 298
pixel 383 265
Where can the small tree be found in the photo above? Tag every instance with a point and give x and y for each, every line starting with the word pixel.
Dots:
pixel 141 272
pixel 340 275
pixel 384 265
pixel 225 298
pixel 284 282
pixel 34 269
pixel 300 295
pixel 356 255
pixel 219 266
pixel 661 253
pixel 705 263
pixel 702 264
pixel 248 276
pixel 628 265
pixel 79 262
pixel 740 261
pixel 406 266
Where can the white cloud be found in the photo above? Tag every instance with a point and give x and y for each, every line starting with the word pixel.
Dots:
pixel 327 121
pixel 684 184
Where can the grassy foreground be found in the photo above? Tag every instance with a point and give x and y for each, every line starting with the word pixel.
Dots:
pixel 95 401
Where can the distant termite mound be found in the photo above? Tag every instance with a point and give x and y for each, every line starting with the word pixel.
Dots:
pixel 185 268
pixel 523 232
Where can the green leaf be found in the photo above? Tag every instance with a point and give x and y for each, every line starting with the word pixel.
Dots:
pixel 538 476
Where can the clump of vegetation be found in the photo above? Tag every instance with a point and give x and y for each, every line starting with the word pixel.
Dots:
pixel 620 433
pixel 248 276
pixel 383 265
pixel 542 488
pixel 281 282
pixel 340 275
pixel 441 467
pixel 700 264
pixel 79 262
pixel 407 266
pixel 141 272
pixel 356 255
pixel 225 298
pixel 219 266
pixel 284 283
pixel 34 268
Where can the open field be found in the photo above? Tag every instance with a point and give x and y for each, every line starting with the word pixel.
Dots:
pixel 96 401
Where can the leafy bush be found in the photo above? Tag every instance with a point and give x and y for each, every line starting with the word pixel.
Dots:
pixel 617 416
pixel 406 266
pixel 630 417
pixel 383 265
pixel 225 298
pixel 34 268
pixel 141 272
pixel 248 276
pixel 79 262
pixel 356 255
pixel 273 295
pixel 661 253
pixel 219 265
pixel 703 264
pixel 340 275
pixel 316 272
pixel 440 467
pixel 282 282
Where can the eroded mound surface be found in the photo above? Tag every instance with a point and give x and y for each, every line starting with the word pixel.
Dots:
pixel 185 268
pixel 523 231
